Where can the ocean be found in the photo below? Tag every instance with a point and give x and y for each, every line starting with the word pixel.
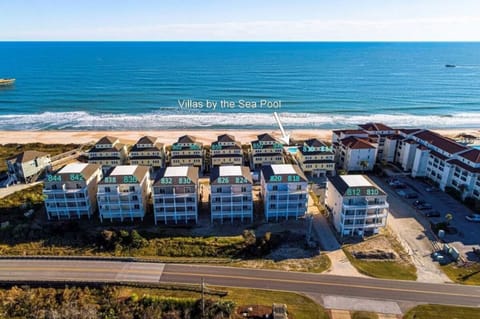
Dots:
pixel 167 85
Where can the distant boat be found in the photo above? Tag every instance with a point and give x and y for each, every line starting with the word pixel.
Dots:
pixel 6 82
pixel 450 65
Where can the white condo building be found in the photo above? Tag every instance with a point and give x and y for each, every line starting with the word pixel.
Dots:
pixel 123 192
pixel 357 205
pixel 355 154
pixel 71 192
pixel 175 195
pixel 284 191
pixel 231 194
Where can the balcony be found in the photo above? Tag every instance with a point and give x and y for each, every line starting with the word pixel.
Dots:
pixel 364 204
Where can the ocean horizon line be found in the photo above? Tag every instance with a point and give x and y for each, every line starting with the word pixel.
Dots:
pixel 238 41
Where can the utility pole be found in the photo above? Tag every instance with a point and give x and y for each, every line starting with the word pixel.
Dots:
pixel 203 298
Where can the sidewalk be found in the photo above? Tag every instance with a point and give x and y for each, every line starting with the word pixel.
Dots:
pixel 328 243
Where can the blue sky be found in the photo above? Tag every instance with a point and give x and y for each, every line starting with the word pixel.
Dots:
pixel 216 20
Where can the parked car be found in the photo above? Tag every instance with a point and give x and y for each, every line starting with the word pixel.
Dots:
pixel 473 218
pixel 400 186
pixel 431 189
pixel 424 206
pixel 393 181
pixel 411 195
pixel 432 213
pixel 419 202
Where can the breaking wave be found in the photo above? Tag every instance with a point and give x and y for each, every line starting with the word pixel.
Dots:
pixel 166 120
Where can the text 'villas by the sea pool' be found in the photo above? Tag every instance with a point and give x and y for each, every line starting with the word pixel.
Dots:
pixel 229 104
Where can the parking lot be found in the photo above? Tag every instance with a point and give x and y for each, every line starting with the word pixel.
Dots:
pixel 429 204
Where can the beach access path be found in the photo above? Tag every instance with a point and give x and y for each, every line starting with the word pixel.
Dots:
pixel 5 191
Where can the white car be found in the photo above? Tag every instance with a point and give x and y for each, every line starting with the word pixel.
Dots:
pixel 473 218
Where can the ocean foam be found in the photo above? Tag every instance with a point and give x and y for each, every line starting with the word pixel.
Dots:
pixel 166 120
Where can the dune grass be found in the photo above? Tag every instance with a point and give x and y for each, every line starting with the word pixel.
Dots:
pixel 442 312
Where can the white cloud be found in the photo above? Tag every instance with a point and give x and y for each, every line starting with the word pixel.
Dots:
pixel 415 29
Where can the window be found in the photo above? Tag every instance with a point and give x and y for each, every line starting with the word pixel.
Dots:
pixel 107 189
pixel 299 187
pixel 136 206
pixel 275 187
pixel 132 188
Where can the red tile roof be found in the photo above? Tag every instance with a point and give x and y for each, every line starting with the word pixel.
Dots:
pixel 375 127
pixel 395 137
pixel 338 132
pixel 472 155
pixel 464 166
pixel 444 143
pixel 353 142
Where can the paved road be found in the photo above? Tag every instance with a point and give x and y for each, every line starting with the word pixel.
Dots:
pixel 109 271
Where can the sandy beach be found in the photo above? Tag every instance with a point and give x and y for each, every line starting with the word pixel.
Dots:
pixel 170 136
pixel 130 137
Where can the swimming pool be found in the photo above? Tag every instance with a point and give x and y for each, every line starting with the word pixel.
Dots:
pixel 292 149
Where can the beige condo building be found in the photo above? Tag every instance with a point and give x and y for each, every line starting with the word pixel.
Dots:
pixel 226 151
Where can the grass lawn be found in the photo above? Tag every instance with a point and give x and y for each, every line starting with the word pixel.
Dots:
pixel 9 150
pixel 118 302
pixel 463 275
pixel 442 312
pixel 364 315
pixel 299 306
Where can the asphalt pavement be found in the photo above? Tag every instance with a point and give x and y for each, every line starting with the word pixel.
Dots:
pixel 308 283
